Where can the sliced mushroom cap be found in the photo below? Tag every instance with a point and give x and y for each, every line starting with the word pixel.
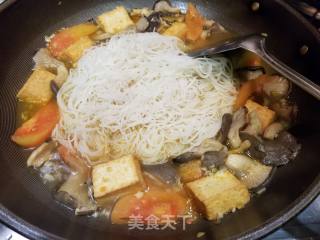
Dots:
pixel 256 149
pixel 43 59
pixel 207 145
pixel 196 153
pixel 213 159
pixel 142 24
pixel 225 127
pixel 277 152
pixel 164 6
pixel 273 130
pixel 281 150
pixel 239 120
pixel 42 154
pixel 254 126
pixel 249 171
pixel 186 157
pixel 154 22
pixel 276 87
pixel 54 172
pixel 75 189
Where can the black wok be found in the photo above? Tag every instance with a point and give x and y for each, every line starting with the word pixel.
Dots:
pixel 27 206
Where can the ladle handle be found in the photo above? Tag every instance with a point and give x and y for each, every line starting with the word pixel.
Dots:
pixel 289 73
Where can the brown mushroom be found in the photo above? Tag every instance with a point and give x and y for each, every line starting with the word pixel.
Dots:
pixel 239 120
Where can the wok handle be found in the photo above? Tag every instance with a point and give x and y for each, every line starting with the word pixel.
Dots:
pixel 288 72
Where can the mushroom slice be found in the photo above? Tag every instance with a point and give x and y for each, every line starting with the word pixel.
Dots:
pixel 277 152
pixel 42 154
pixel 239 120
pixel 281 150
pixel 272 131
pixel 164 6
pixel 213 159
pixel 225 127
pixel 43 59
pixel 256 148
pixel 154 22
pixel 207 145
pixel 186 157
pixel 249 171
pixel 142 24
pixel 54 172
pixel 76 189
pixel 254 127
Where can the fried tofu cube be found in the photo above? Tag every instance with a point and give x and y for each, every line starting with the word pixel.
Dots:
pixel 37 88
pixel 116 175
pixel 218 194
pixel 178 29
pixel 75 51
pixel 115 21
pixel 265 115
pixel 190 171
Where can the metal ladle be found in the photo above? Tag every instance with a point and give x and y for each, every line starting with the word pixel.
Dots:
pixel 256 44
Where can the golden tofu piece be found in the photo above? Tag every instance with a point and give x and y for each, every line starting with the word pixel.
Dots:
pixel 116 175
pixel 265 115
pixel 178 29
pixel 115 21
pixel 37 88
pixel 190 171
pixel 218 194
pixel 75 51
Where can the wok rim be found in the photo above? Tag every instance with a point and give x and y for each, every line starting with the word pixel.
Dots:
pixel 31 231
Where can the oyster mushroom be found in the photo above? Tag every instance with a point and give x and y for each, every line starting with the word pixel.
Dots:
pixel 213 159
pixel 256 148
pixel 154 21
pixel 74 193
pixel 277 152
pixel 43 59
pixel 249 171
pixel 239 120
pixel 142 24
pixel 196 152
pixel 281 150
pixel 273 130
pixel 54 172
pixel 254 127
pixel 164 6
pixel 225 127
pixel 42 154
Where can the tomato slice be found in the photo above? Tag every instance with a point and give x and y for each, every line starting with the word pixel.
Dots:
pixel 66 37
pixel 157 203
pixel 194 22
pixel 37 129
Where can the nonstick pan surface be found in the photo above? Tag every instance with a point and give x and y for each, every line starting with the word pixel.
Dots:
pixel 27 205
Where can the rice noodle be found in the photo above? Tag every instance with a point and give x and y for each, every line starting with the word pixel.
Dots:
pixel 140 94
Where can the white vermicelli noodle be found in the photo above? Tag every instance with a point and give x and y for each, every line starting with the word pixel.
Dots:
pixel 140 94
